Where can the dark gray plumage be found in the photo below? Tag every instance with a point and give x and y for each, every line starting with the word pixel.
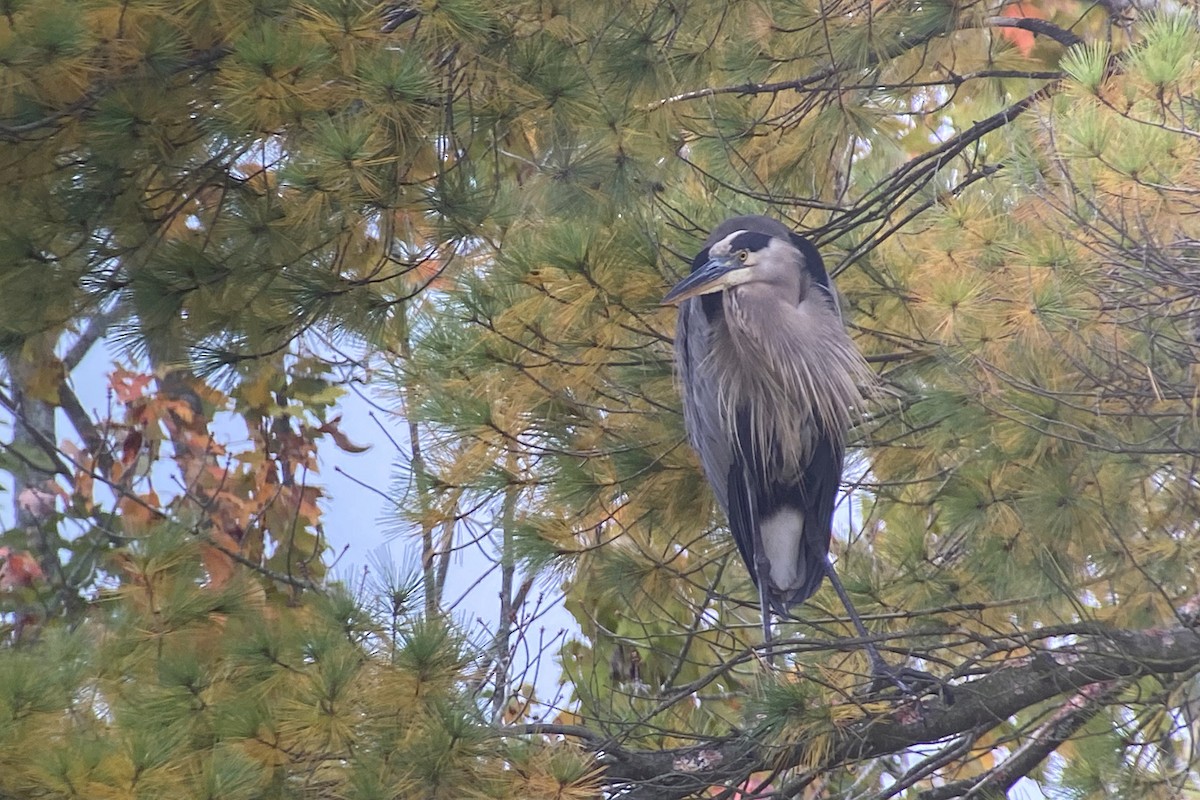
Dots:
pixel 770 380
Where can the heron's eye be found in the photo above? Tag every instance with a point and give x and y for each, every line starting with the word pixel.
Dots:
pixel 742 255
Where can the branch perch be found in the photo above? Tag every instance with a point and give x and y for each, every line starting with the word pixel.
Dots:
pixel 1091 669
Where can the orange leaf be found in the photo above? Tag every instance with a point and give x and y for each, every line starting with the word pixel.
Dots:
pixel 257 177
pixel 131 447
pixel 128 386
pixel 518 703
pixel 17 569
pixel 217 558
pixel 1022 39
pixel 757 785
pixel 138 513
pixel 428 273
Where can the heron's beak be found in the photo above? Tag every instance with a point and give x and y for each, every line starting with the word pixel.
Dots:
pixel 715 276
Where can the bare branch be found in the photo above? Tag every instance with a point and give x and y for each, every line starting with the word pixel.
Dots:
pixel 1039 26
pixel 1087 669
pixel 93 440
pixel 97 326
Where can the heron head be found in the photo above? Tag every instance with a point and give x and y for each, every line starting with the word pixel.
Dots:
pixel 735 259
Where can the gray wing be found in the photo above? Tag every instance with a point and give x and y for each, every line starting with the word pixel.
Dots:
pixel 701 404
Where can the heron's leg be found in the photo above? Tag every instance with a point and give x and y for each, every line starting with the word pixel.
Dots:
pixel 765 603
pixel 761 567
pixel 903 678
pixel 863 633
pixel 762 576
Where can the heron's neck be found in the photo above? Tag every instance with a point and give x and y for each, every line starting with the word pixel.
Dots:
pixel 789 360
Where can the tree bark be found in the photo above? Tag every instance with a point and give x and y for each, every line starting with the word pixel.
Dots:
pixel 1087 668
pixel 34 438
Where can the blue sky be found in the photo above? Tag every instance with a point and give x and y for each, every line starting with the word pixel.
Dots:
pixel 361 524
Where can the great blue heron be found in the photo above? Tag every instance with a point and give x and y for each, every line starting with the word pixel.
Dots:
pixel 770 380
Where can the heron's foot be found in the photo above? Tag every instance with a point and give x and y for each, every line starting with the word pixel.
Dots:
pixel 912 683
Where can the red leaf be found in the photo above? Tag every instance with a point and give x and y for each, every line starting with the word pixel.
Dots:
pixel 131 447
pixel 1021 39
pixel 129 386
pixel 17 569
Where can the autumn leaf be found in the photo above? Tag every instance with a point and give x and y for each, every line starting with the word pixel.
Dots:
pixel 757 785
pixel 1023 40
pixel 44 382
pixel 340 438
pixel 139 512
pixel 129 386
pixel 131 447
pixel 258 391
pixel 18 569
pixel 217 556
pixel 519 703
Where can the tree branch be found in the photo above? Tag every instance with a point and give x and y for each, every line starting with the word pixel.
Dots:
pixel 87 100
pixel 81 421
pixel 1087 669
pixel 796 84
pixel 910 177
pixel 1062 726
pixel 97 326
pixel 1038 26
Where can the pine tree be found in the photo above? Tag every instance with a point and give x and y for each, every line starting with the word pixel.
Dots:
pixel 487 201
